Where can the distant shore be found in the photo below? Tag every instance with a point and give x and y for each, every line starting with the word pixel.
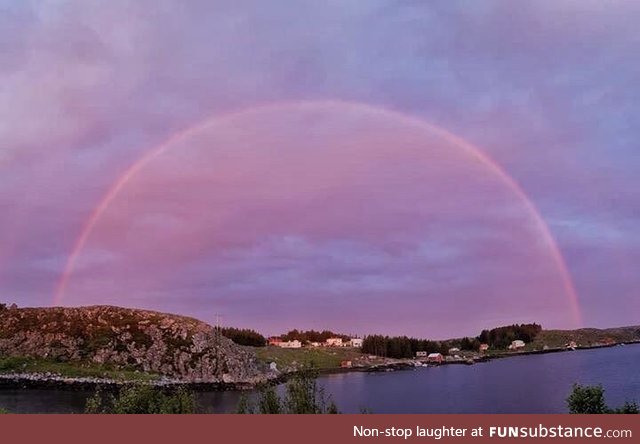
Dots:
pixel 407 364
pixel 59 382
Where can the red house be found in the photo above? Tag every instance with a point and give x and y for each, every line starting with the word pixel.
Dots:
pixel 346 364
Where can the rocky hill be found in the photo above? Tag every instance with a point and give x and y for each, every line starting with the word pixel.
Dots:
pixel 173 346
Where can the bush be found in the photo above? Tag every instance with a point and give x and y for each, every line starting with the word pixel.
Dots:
pixel 302 396
pixel 628 408
pixel 142 399
pixel 585 399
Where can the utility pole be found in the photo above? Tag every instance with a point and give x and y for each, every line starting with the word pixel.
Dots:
pixel 218 332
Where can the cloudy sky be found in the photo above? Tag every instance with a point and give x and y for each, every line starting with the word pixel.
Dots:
pixel 423 168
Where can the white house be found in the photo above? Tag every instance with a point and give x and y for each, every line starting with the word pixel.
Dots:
pixel 334 342
pixel 421 354
pixel 290 344
pixel 516 344
pixel 356 342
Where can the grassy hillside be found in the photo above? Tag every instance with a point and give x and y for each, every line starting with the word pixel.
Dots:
pixel 22 364
pixel 586 337
pixel 321 357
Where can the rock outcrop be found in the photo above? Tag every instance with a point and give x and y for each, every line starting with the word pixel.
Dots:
pixel 173 346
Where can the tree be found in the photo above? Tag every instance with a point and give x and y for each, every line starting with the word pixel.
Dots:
pixel 244 405
pixel 628 408
pixel 142 399
pixel 306 336
pixel 244 336
pixel 269 403
pixel 586 399
pixel 302 396
pixel 400 346
pixel 469 344
pixel 590 399
pixel 502 337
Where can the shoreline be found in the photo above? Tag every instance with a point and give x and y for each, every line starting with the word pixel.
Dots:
pixel 59 382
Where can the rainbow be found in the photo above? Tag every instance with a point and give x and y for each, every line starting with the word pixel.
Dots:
pixel 210 122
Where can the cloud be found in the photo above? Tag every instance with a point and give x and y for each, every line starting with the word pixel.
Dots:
pixel 547 89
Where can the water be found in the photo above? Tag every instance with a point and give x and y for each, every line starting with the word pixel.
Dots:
pixel 524 384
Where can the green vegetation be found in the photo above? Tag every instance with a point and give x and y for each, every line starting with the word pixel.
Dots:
pixel 142 399
pixel 501 337
pixel 404 347
pixel 302 396
pixel 4 411
pixel 399 347
pixel 321 357
pixel 472 344
pixel 69 369
pixel 244 336
pixel 306 336
pixel 585 399
pixel 586 337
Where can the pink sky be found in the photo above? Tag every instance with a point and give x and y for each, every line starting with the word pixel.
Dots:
pixel 328 218
pixel 327 215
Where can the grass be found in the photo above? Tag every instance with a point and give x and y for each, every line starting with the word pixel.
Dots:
pixel 585 336
pixel 71 369
pixel 320 357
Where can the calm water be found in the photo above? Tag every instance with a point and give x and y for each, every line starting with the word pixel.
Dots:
pixel 525 384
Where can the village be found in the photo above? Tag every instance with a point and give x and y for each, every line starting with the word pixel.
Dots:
pixel 340 353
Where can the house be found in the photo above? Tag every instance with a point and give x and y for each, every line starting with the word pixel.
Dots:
pixel 334 342
pixel 346 364
pixel 454 350
pixel 484 347
pixel 290 344
pixel 516 344
pixel 273 340
pixel 421 354
pixel 435 358
pixel 571 345
pixel 356 342
pixel 315 344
